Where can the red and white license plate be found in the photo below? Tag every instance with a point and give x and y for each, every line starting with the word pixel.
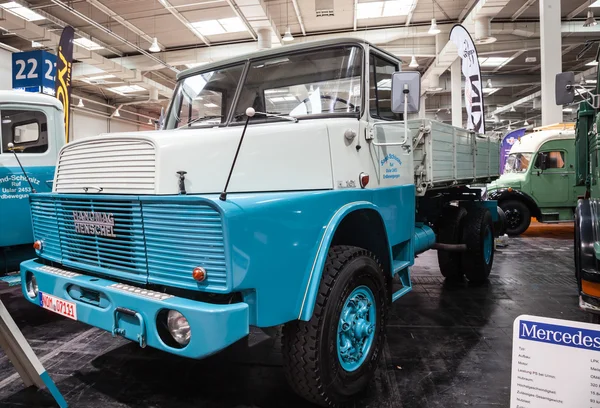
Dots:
pixel 58 305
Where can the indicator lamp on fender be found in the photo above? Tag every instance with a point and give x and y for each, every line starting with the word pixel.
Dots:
pixel 37 245
pixel 199 274
pixel 363 179
pixel 510 189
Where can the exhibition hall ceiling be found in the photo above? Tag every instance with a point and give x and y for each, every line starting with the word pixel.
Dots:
pixel 194 32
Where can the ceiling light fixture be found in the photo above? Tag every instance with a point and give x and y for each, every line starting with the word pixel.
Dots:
pixel 433 29
pixel 413 62
pixel 287 37
pixel 489 83
pixel 80 104
pixel 117 114
pixel 525 123
pixel 590 21
pixel 149 121
pixel 512 108
pixel 154 47
pixel 35 44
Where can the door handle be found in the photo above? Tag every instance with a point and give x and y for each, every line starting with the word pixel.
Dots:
pixel 564 175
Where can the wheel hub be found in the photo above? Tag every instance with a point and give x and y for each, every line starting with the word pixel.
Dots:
pixel 513 218
pixel 356 328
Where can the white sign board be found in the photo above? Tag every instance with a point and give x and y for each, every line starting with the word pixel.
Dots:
pixel 556 363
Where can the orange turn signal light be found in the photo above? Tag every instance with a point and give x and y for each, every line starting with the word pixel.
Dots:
pixel 199 274
pixel 37 245
pixel 590 288
pixel 510 189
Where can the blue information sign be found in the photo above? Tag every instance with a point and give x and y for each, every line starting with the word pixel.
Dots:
pixel 34 71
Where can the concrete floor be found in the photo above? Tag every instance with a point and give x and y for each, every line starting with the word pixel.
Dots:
pixel 447 346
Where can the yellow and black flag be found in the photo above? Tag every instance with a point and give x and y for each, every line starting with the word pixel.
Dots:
pixel 64 67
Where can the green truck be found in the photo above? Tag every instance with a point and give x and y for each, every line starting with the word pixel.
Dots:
pixel 587 175
pixel 539 180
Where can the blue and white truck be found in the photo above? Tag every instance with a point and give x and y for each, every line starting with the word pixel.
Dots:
pixel 285 190
pixel 31 132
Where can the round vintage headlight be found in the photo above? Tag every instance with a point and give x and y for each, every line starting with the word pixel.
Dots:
pixel 179 327
pixel 31 285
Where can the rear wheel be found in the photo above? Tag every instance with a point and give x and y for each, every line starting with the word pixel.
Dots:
pixel 332 357
pixel 518 216
pixel 450 232
pixel 478 234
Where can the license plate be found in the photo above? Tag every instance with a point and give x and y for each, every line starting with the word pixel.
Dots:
pixel 58 305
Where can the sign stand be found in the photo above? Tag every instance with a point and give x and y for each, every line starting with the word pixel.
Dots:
pixel 23 358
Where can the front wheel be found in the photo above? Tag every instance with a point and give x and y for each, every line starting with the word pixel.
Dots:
pixel 518 216
pixel 332 357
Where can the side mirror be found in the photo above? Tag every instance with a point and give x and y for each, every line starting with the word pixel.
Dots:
pixel 564 88
pixel 406 85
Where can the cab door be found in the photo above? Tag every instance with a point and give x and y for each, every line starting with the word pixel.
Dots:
pixel 551 179
pixel 30 131
pixel 389 148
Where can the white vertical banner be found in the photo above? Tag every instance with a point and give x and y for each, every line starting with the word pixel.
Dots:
pixel 472 73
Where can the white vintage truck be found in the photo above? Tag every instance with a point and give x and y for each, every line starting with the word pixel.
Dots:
pixel 284 190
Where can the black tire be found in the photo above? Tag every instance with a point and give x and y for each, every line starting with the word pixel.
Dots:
pixel 518 216
pixel 478 234
pixel 577 245
pixel 450 228
pixel 310 356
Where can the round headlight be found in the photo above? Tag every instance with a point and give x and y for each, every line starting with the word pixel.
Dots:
pixel 179 327
pixel 31 285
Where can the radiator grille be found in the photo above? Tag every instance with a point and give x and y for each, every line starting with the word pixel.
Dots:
pixel 180 238
pixel 117 166
pixel 155 242
pixel 122 255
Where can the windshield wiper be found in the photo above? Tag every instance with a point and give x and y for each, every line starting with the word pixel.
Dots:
pixel 267 114
pixel 199 119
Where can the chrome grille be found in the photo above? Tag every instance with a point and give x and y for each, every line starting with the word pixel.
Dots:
pixel 180 237
pixel 122 255
pixel 117 166
pixel 45 227
pixel 159 242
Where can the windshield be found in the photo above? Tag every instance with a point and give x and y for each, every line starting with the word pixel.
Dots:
pixel 204 99
pixel 517 162
pixel 312 82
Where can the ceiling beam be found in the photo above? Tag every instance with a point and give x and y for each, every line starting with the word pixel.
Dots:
pixel 63 24
pixel 171 9
pixel 123 22
pixel 577 11
pixel 442 10
pixel 299 16
pixel 466 10
pixel 512 57
pixel 522 9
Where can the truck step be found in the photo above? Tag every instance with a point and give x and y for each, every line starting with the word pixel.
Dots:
pixel 398 294
pixel 12 280
pixel 398 266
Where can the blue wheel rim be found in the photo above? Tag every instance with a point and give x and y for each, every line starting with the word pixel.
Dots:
pixel 356 328
pixel 488 246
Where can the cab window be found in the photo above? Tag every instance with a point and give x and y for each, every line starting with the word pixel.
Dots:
pixel 380 88
pixel 26 130
pixel 554 160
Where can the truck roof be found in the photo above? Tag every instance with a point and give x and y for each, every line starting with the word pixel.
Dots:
pixel 532 142
pixel 276 51
pixel 30 98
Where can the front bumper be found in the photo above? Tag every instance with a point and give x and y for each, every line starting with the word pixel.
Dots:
pixel 213 326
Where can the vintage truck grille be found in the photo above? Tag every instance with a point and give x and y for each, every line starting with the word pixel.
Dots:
pixel 155 242
pixel 124 166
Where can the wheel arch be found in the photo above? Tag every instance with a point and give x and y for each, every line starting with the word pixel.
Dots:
pixel 356 224
pixel 513 194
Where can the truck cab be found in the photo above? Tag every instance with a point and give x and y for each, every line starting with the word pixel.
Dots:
pixel 33 124
pixel 538 180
